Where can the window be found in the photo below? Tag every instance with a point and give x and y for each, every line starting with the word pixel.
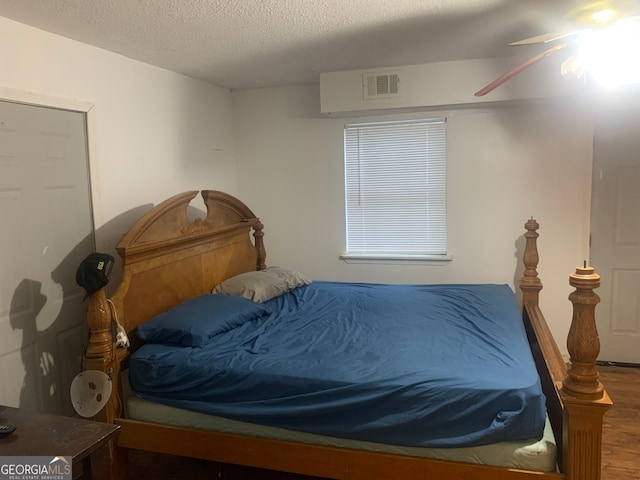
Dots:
pixel 395 182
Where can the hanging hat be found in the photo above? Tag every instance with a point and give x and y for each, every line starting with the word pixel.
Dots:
pixel 94 271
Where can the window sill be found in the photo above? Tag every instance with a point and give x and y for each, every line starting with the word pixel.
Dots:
pixel 398 259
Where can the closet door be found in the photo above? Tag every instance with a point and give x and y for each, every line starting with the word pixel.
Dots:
pixel 615 232
pixel 47 229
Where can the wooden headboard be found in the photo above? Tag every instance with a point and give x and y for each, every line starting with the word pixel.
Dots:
pixel 168 259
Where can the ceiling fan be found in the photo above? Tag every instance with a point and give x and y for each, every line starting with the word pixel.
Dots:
pixel 592 24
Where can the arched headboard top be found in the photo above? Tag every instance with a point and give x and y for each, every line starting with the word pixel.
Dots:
pixel 168 220
pixel 168 259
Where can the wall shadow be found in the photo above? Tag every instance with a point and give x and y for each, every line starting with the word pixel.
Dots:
pixel 519 271
pixel 51 357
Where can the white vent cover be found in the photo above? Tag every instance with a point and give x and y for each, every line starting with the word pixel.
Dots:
pixel 380 85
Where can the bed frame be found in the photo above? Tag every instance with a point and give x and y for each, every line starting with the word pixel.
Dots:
pixel 169 259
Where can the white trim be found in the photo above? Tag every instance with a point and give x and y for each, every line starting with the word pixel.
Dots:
pixel 398 259
pixel 20 96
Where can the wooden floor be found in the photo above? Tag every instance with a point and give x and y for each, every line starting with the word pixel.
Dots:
pixel 620 455
pixel 621 432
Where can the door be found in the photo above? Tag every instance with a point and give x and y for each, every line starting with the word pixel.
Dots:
pixel 47 229
pixel 615 232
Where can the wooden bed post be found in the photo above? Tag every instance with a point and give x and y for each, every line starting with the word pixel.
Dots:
pixel 530 284
pixel 101 353
pixel 576 401
pixel 584 398
pixel 258 236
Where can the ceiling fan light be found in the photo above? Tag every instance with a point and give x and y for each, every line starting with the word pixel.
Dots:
pixel 603 16
pixel 609 55
pixel 615 74
pixel 572 68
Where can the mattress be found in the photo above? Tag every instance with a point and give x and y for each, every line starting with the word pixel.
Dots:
pixel 411 365
pixel 533 454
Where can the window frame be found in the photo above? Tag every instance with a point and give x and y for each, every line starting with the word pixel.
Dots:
pixel 422 151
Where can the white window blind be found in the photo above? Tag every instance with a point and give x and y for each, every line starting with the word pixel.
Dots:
pixel 395 179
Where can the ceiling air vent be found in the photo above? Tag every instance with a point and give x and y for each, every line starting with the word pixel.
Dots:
pixel 381 85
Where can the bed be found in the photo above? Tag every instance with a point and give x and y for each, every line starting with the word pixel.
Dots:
pixel 171 263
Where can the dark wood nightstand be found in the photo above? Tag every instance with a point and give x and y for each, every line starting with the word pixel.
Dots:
pixel 40 434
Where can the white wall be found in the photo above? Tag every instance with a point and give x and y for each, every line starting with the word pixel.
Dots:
pixel 504 166
pixel 153 133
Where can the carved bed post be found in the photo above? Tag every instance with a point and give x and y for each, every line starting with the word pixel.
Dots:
pixel 584 397
pixel 583 342
pixel 101 353
pixel 530 284
pixel 258 235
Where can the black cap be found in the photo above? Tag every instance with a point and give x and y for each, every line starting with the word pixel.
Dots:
pixel 94 271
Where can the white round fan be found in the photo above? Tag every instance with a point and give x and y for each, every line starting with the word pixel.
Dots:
pixel 90 391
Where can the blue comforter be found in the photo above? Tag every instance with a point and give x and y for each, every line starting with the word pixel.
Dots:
pixel 415 365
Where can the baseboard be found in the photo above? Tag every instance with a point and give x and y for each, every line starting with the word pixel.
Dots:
pixel 603 363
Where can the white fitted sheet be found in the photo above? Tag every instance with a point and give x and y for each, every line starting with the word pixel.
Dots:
pixel 536 454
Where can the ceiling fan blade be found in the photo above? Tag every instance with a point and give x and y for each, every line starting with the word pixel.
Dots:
pixel 545 38
pixel 633 18
pixel 552 37
pixel 500 80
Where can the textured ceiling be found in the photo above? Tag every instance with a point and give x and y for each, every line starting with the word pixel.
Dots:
pixel 256 43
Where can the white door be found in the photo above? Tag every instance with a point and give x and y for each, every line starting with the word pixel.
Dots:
pixel 47 229
pixel 615 233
